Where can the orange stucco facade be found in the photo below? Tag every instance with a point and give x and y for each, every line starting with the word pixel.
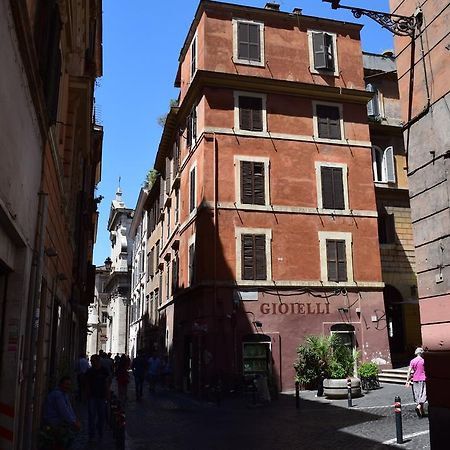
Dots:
pixel 215 310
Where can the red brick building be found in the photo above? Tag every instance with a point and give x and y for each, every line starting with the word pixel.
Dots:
pixel 269 218
pixel 424 91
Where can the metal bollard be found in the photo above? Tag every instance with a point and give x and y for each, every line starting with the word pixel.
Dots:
pixel 297 395
pixel 349 392
pixel 398 419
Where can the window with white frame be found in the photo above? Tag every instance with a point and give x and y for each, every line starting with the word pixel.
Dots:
pixel 328 121
pixel 192 188
pixel 332 186
pixel 252 180
pixel 383 164
pixel 323 52
pixel 336 262
pixel 374 107
pixel 248 42
pixel 253 254
pixel 250 111
pixel 193 56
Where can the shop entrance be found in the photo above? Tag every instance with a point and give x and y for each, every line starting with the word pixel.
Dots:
pixel 256 355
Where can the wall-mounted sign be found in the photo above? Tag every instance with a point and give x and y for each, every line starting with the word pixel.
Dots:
pixel 295 308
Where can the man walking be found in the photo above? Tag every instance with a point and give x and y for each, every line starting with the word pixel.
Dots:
pixel 139 368
pixel 97 390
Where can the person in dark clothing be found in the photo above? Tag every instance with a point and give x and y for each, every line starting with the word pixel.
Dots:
pixel 97 390
pixel 139 368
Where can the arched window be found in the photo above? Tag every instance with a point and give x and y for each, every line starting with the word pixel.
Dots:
pixel 383 164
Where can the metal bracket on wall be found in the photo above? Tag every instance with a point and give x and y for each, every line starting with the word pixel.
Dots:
pixel 399 25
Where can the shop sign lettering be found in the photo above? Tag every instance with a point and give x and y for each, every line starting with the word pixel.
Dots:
pixel 295 308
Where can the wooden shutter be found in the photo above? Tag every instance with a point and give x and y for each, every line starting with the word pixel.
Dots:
pixel 247 257
pixel 336 260
pixel 193 56
pixel 260 257
pixel 248 42
pixel 253 257
pixel 323 51
pixel 259 197
pixel 191 263
pixel 373 107
pixel 388 162
pixel 332 188
pixel 342 261
pixel 188 131
pixel 194 124
pixel 250 113
pixel 246 182
pixel 328 121
pixel 329 52
pixel 174 275
pixel 252 183
pixel 192 199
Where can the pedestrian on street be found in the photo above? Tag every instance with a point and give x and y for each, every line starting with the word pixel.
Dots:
pixel 59 418
pixel 154 371
pixel 123 378
pixel 416 373
pixel 81 367
pixel 97 390
pixel 139 368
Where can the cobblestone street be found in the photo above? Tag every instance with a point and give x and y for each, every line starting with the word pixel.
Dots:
pixel 173 421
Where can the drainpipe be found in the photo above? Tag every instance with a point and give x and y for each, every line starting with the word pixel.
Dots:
pixel 29 345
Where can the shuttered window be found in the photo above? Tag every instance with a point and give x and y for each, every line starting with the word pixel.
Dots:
pixel 175 264
pixel 191 268
pixel 192 190
pixel 252 183
pixel 323 51
pixel 336 260
pixel 332 188
pixel 249 45
pixel 253 255
pixel 250 113
pixel 373 107
pixel 328 122
pixel 191 127
pixel 193 56
pixel 48 27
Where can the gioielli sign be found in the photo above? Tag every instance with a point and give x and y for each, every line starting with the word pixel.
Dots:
pixel 295 308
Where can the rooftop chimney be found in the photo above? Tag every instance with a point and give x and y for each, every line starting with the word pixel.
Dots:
pixel 297 11
pixel 273 6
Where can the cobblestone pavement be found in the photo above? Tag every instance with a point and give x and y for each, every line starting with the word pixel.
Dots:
pixel 172 421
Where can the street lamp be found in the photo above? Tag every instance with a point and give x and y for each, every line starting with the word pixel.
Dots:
pixel 399 25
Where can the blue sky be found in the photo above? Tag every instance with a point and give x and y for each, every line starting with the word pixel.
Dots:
pixel 141 43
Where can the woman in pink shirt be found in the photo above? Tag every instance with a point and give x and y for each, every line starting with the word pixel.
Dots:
pixel 416 373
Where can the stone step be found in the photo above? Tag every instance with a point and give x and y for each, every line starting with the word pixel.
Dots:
pixel 395 376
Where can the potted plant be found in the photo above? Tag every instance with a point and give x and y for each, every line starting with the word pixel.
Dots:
pixel 327 358
pixel 368 373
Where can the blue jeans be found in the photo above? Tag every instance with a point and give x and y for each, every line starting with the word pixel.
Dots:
pixel 139 381
pixel 96 415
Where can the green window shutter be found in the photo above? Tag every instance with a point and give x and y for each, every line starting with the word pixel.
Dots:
pixel 332 261
pixel 250 113
pixel 259 197
pixel 328 121
pixel 192 199
pixel 252 183
pixel 246 182
pixel 341 261
pixel 319 51
pixel 332 188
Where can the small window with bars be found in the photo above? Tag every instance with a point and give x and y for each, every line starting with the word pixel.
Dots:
pixel 336 260
pixel 253 182
pixel 253 257
pixel 328 122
